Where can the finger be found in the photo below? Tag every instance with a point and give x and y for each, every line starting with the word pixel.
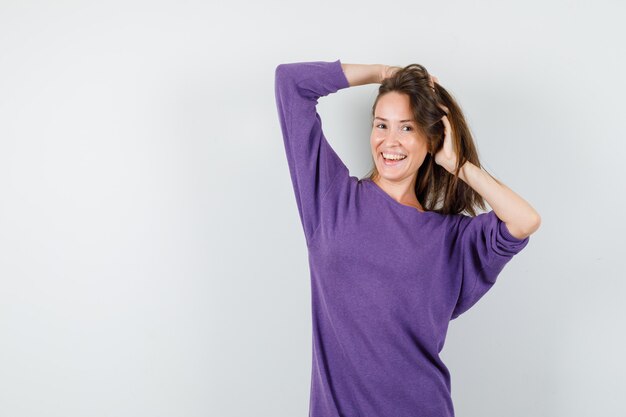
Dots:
pixel 446 123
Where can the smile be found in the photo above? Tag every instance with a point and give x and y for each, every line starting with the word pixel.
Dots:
pixel 392 159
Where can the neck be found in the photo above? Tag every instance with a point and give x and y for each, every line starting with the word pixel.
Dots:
pixel 403 191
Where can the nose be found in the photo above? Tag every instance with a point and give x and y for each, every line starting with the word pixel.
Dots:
pixel 393 137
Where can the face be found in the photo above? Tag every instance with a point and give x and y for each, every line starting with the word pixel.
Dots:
pixel 395 132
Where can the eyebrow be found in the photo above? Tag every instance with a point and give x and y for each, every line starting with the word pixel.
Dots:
pixel 401 121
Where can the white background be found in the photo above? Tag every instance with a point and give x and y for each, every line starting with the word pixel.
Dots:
pixel 152 262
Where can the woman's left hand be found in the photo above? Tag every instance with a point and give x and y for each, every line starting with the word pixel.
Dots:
pixel 446 157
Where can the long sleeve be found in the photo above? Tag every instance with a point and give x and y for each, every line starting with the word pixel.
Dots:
pixel 484 246
pixel 313 164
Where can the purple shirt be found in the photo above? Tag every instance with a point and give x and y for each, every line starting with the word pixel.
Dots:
pixel 386 279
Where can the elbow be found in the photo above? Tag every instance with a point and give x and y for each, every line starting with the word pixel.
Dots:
pixel 537 223
pixel 282 71
pixel 279 72
pixel 525 229
pixel 284 77
pixel 533 224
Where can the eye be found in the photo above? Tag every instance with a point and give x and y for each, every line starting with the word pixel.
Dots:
pixel 382 124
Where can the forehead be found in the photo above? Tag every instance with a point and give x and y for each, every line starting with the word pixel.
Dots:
pixel 401 121
pixel 394 106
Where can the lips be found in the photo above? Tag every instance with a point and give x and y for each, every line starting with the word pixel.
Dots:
pixel 392 162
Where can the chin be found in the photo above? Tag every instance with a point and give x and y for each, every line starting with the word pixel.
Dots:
pixel 384 173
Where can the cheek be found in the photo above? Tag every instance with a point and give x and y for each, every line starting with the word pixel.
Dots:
pixel 420 145
pixel 373 142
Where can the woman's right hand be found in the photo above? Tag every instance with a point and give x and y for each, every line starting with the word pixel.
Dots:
pixel 432 77
pixel 388 71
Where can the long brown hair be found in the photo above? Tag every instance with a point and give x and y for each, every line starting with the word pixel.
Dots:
pixel 436 189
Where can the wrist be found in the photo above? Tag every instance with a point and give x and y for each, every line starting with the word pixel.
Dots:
pixel 464 171
pixel 382 72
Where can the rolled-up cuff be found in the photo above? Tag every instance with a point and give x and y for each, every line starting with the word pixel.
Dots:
pixel 505 243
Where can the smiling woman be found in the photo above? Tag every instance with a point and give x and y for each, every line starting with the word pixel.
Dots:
pixel 398 148
pixel 407 119
pixel 386 275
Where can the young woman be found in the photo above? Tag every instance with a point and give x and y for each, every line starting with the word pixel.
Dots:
pixel 392 258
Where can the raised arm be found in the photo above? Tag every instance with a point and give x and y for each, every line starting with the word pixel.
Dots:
pixel 521 218
pixel 360 74
pixel 313 164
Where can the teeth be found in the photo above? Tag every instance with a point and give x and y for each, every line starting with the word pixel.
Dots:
pixel 392 156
